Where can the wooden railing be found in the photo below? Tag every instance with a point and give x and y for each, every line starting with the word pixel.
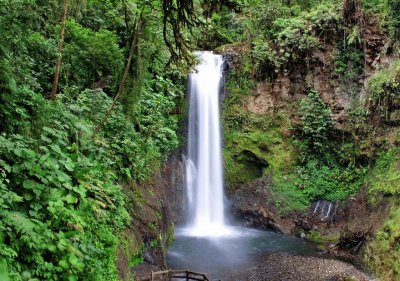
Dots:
pixel 178 275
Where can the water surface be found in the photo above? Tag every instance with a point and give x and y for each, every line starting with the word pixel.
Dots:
pixel 222 256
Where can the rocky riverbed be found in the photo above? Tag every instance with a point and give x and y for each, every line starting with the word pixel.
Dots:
pixel 282 266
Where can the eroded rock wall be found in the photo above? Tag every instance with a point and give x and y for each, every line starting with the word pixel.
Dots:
pixel 155 206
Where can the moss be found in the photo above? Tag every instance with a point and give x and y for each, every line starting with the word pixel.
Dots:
pixel 286 196
pixel 383 82
pixel 385 175
pixel 229 47
pixel 252 154
pixel 383 253
pixel 128 241
pixel 169 236
pixel 317 237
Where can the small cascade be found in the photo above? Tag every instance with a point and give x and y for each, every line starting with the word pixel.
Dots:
pixel 324 210
pixel 204 179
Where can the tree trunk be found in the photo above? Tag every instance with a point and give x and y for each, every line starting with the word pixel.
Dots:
pixel 124 76
pixel 59 52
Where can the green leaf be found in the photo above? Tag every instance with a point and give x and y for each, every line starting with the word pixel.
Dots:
pixel 72 278
pixel 30 152
pixel 63 263
pixel 4 270
pixel 18 152
pixel 5 166
pixel 69 165
pixel 71 199
pixel 45 138
pixel 62 177
pixel 28 184
pixel 28 196
pixel 56 148
pixel 49 130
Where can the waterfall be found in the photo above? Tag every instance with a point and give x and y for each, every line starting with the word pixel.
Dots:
pixel 204 177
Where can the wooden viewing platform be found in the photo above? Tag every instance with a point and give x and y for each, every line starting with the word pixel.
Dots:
pixel 178 275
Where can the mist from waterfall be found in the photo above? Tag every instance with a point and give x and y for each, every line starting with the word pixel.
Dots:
pixel 204 176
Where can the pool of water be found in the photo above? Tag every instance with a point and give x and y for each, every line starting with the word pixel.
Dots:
pixel 221 255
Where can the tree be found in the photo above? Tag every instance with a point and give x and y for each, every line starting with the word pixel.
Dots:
pixel 59 52
pixel 124 76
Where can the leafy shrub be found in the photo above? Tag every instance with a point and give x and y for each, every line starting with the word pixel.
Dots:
pixel 61 207
pixel 90 57
pixel 383 89
pixel 60 210
pixel 265 57
pixel 331 182
pixel 349 63
pixel 382 253
pixel 394 20
pixel 384 176
pixel 325 18
pixel 384 83
pixel 317 121
pixel 294 38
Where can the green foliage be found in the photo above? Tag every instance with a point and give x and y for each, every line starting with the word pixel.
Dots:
pixel 91 57
pixel 294 38
pixel 385 177
pixel 331 182
pixel 265 57
pixel 318 238
pixel 62 205
pixel 314 179
pixel 317 121
pixel 383 89
pixel 60 209
pixel 383 253
pixel 58 189
pixel 282 35
pixel 394 17
pixel 325 18
pixel 388 13
pixel 285 194
pixel 349 63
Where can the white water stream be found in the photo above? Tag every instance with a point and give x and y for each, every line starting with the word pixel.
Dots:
pixel 204 177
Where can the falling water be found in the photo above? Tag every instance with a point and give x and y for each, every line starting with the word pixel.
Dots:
pixel 204 164
pixel 208 243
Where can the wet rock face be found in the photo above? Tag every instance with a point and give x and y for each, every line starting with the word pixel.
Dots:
pixel 249 206
pixel 155 207
pixel 355 220
pixel 254 164
pixel 173 182
pixel 324 211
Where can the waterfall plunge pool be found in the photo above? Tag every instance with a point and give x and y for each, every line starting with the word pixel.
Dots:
pixel 221 257
pixel 208 244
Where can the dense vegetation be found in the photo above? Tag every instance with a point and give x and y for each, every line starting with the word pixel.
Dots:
pixel 294 137
pixel 116 89
pixel 91 95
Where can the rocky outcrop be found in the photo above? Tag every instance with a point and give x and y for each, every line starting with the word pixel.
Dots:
pixel 155 206
pixel 352 223
pixel 249 205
